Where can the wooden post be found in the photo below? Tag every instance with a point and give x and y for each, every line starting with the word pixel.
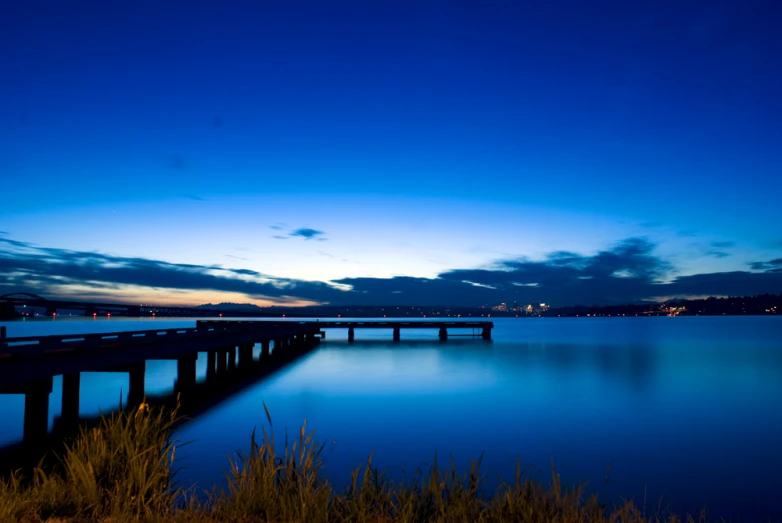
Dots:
pixel 265 349
pixel 443 334
pixel 186 371
pixel 486 334
pixel 36 411
pixel 232 358
pixel 70 400
pixel 222 355
pixel 396 333
pixel 211 362
pixel 136 386
pixel 351 335
pixel 246 355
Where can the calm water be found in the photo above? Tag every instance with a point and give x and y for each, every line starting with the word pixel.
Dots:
pixel 687 409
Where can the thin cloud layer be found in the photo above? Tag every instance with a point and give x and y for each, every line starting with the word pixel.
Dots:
pixel 627 272
pixel 772 266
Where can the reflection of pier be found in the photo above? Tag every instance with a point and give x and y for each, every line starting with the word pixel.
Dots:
pixel 29 364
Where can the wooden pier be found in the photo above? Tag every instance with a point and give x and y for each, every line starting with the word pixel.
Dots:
pixel 480 329
pixel 29 364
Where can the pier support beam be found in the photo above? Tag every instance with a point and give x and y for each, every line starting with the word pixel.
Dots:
pixel 70 400
pixel 186 371
pixel 443 334
pixel 396 333
pixel 222 356
pixel 232 358
pixel 246 355
pixel 136 386
pixel 265 349
pixel 211 363
pixel 486 334
pixel 36 411
pixel 351 335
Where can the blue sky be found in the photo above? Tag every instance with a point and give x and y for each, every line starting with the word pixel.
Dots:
pixel 414 138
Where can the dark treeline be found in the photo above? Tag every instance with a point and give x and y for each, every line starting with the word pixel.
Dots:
pixel 8 311
pixel 763 304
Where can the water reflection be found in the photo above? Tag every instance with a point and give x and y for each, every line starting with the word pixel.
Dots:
pixel 688 409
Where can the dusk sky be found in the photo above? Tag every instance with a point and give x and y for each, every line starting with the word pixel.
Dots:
pixel 460 152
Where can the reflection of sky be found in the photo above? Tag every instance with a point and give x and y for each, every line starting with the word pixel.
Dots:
pixel 681 407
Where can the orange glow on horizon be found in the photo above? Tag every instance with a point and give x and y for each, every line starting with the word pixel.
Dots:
pixel 159 297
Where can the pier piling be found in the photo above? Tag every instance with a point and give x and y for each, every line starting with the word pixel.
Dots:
pixel 36 411
pixel 136 386
pixel 211 363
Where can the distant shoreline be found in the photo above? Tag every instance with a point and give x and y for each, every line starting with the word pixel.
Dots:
pixel 759 305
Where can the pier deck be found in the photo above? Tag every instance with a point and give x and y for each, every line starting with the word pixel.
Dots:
pixel 479 328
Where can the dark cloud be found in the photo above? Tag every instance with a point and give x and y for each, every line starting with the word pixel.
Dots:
pixel 627 272
pixel 308 234
pixel 772 265
pixel 723 245
pixel 718 254
pixel 738 283
pixel 17 243
pixel 302 232
pixel 24 265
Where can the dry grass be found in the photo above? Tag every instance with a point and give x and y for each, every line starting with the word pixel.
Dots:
pixel 123 471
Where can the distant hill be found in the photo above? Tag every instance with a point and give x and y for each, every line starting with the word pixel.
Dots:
pixel 230 307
